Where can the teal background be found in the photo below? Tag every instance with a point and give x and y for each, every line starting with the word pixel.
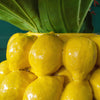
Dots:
pixel 6 30
pixel 96 19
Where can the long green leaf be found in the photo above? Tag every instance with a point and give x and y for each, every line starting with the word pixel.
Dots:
pixel 44 16
pixel 15 20
pixel 87 26
pixel 55 15
pixel 70 11
pixel 85 5
pixel 18 8
pixel 30 9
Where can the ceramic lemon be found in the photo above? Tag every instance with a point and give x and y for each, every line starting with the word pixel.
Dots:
pixel 96 39
pixel 95 82
pixel 44 88
pixel 79 56
pixel 14 36
pixel 45 56
pixel 4 69
pixel 77 90
pixel 66 74
pixel 14 84
pixel 17 51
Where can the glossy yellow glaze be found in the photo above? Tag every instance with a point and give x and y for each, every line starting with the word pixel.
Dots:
pixel 66 74
pixel 96 39
pixel 45 88
pixel 95 82
pixel 77 90
pixel 45 56
pixel 15 36
pixel 17 51
pixel 14 84
pixel 79 56
pixel 64 36
pixel 4 69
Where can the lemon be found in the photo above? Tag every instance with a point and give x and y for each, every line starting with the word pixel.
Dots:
pixel 14 36
pixel 17 51
pixel 44 88
pixel 77 90
pixel 67 75
pixel 14 84
pixel 45 56
pixel 96 39
pixel 4 69
pixel 95 82
pixel 79 57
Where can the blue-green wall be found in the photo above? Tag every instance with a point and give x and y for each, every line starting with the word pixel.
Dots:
pixel 6 30
pixel 96 19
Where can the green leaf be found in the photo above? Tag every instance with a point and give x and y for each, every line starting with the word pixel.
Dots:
pixel 23 10
pixel 30 9
pixel 87 26
pixel 44 16
pixel 85 5
pixel 70 12
pixel 55 15
pixel 15 20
